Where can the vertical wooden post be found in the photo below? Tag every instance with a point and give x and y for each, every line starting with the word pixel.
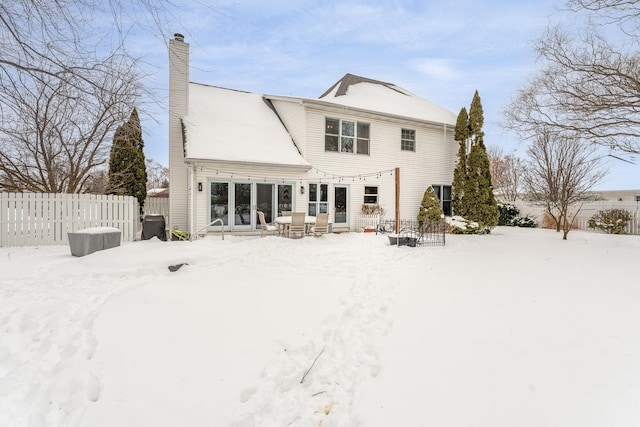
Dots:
pixel 397 175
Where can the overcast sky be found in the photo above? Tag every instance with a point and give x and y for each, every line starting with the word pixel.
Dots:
pixel 441 51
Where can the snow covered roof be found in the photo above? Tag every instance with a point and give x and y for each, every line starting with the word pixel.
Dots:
pixel 235 126
pixel 360 92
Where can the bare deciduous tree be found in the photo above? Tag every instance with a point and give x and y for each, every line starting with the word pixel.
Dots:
pixel 496 167
pixel 560 174
pixel 67 81
pixel 514 168
pixel 157 175
pixel 506 173
pixel 588 86
pixel 55 132
pixel 63 38
pixel 623 13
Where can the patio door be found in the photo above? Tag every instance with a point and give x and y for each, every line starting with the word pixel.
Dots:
pixel 340 206
pixel 237 203
pixel 219 203
pixel 242 203
pixel 264 203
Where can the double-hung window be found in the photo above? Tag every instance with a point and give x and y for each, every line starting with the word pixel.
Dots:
pixel 408 140
pixel 346 136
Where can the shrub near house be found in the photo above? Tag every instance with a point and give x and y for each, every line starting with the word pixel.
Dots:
pixel 430 210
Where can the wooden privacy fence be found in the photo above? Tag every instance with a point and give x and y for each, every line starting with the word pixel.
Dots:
pixel 30 219
pixel 157 206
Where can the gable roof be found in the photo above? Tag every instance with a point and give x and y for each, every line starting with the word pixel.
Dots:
pixel 234 126
pixel 361 92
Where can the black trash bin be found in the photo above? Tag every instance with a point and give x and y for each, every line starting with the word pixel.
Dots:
pixel 153 226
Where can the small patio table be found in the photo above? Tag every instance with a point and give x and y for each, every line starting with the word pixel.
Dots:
pixel 285 221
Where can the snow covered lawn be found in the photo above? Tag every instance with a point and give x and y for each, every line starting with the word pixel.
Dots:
pixel 516 328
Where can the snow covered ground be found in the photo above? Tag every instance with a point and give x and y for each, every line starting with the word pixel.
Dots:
pixel 514 328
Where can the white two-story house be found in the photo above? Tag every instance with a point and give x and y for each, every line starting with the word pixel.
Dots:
pixel 233 153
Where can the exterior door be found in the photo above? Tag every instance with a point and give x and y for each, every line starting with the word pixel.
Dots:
pixel 264 203
pixel 219 203
pixel 340 207
pixel 242 205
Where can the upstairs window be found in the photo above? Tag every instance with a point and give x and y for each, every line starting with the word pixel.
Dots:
pixel 408 140
pixel 346 136
pixel 363 138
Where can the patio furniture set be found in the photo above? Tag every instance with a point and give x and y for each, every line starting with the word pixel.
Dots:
pixel 292 224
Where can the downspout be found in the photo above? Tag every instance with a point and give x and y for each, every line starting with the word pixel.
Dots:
pixel 192 197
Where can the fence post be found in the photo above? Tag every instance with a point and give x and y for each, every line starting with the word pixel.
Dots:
pixel 4 208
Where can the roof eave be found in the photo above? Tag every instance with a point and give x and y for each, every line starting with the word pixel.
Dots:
pixel 301 167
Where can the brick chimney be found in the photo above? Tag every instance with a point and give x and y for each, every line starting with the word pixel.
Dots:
pixel 178 108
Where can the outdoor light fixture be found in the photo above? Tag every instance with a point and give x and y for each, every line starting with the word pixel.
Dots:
pixel 302 189
pixel 199 186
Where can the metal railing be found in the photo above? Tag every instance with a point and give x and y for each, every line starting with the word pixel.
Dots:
pixel 207 226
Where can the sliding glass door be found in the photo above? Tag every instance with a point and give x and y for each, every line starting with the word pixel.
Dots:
pixel 238 203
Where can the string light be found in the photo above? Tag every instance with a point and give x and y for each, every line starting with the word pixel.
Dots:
pixel 327 177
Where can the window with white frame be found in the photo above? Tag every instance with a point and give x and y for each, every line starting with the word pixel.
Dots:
pixel 371 195
pixel 346 136
pixel 444 195
pixel 318 199
pixel 408 140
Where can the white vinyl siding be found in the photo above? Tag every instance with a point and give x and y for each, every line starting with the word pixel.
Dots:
pixel 179 89
pixel 293 116
pixel 432 162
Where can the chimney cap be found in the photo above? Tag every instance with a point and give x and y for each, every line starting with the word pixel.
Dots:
pixel 178 37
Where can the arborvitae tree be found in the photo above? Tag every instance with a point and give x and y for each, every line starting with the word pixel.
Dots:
pixel 127 170
pixel 481 203
pixel 430 210
pixel 460 172
pixel 473 196
pixel 476 121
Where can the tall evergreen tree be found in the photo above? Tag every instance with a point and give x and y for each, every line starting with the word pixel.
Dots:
pixel 473 196
pixel 476 120
pixel 460 172
pixel 482 204
pixel 127 169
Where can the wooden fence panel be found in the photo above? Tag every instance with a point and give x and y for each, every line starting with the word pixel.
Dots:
pixel 157 206
pixel 30 219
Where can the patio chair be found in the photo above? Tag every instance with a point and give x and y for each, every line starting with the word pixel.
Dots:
pixel 266 227
pixel 297 224
pixel 321 225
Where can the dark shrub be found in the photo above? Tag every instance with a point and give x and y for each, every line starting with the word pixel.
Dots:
pixel 613 221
